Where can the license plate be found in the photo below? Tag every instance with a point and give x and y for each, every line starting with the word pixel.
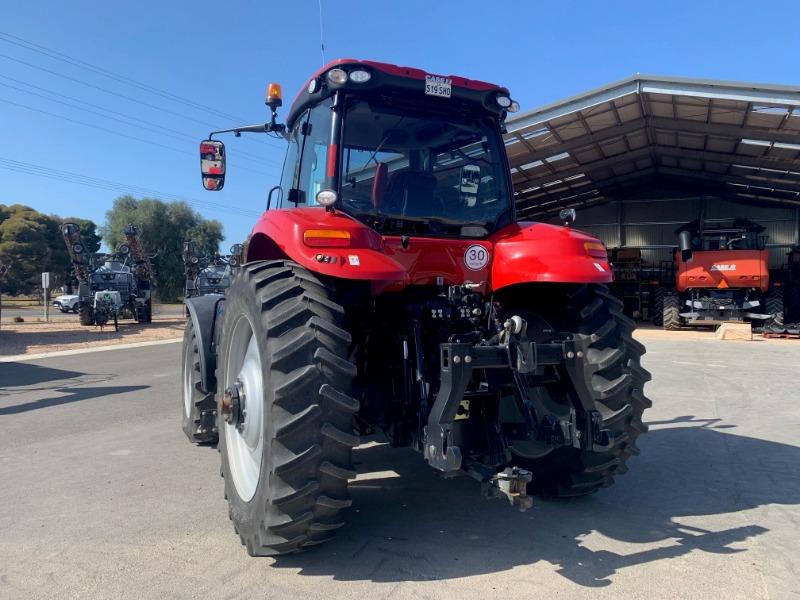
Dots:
pixel 438 86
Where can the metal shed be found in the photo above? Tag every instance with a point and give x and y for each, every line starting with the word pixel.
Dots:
pixel 641 156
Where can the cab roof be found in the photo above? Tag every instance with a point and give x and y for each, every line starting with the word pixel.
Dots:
pixel 472 88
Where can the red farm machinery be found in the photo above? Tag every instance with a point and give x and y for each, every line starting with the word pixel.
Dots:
pixel 389 287
pixel 721 274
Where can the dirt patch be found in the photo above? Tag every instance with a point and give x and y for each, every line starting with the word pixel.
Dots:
pixel 645 331
pixel 32 338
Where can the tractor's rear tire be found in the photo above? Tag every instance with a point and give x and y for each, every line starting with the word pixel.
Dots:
pixel 86 315
pixel 282 337
pixel 617 387
pixel 657 310
pixel 773 306
pixel 670 314
pixel 198 408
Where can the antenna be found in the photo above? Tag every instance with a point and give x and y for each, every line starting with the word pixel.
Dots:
pixel 321 38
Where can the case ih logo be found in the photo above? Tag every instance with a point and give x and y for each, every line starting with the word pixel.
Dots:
pixel 723 267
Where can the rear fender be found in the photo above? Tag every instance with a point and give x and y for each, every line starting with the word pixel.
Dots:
pixel 280 234
pixel 527 252
pixel 205 312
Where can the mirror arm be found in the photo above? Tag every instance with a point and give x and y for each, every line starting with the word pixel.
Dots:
pixel 261 128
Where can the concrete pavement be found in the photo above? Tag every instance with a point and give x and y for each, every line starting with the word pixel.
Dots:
pixel 103 497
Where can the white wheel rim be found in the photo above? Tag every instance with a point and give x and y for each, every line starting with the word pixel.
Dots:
pixel 188 367
pixel 245 443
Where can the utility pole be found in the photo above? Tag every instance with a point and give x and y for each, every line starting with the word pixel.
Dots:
pixel 3 270
pixel 46 288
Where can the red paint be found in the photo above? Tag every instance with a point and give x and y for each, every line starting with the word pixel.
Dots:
pixel 284 228
pixel 333 150
pixel 749 270
pixel 425 259
pixel 537 252
pixel 519 253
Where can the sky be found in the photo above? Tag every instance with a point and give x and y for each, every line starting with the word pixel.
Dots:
pixel 141 83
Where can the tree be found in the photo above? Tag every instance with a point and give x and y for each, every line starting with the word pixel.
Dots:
pixel 31 242
pixel 163 227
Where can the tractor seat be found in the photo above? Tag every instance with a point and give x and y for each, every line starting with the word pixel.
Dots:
pixel 411 193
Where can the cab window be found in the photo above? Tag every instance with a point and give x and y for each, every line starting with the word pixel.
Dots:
pixel 314 154
pixel 291 162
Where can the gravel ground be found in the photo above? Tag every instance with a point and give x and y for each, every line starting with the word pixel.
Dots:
pixel 33 337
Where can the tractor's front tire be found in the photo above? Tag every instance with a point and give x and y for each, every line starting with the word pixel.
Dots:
pixel 198 408
pixel 617 381
pixel 282 365
pixel 86 315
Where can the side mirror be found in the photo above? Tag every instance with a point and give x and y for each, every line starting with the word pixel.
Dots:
pixel 212 164
pixel 236 258
pixel 189 251
pixel 567 216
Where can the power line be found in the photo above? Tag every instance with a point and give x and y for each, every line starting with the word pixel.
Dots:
pixel 112 92
pixel 107 184
pixel 57 55
pixel 126 120
pixel 105 129
pixel 78 179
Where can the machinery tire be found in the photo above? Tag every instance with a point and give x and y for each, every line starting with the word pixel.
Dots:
pixel 791 303
pixel 198 408
pixel 143 313
pixel 295 330
pixel 617 385
pixel 773 305
pixel 657 310
pixel 147 313
pixel 671 318
pixel 85 315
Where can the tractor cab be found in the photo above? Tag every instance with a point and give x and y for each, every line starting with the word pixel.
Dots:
pixel 738 234
pixel 401 151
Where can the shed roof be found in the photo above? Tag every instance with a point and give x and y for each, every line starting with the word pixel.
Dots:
pixel 741 139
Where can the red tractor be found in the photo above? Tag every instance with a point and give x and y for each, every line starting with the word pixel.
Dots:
pixel 389 287
pixel 721 275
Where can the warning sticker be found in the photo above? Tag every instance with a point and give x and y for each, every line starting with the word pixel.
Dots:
pixel 353 260
pixel 476 257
